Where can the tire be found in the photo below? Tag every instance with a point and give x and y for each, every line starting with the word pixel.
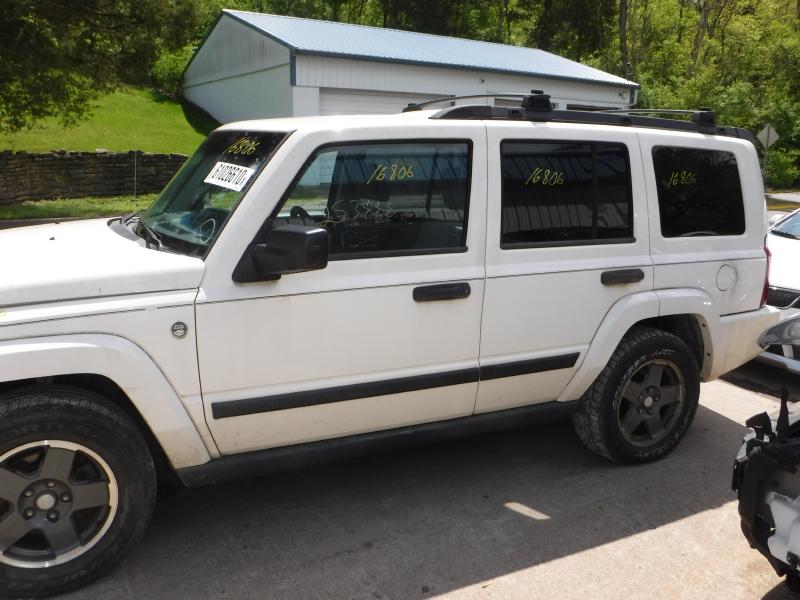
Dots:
pixel 81 484
pixel 644 400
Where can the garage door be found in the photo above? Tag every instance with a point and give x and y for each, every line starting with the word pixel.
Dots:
pixel 349 102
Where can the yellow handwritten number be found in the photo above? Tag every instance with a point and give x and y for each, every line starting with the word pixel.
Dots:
pixel 545 177
pixel 243 145
pixel 677 178
pixel 395 172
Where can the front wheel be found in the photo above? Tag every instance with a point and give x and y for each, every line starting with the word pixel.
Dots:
pixel 643 402
pixel 77 487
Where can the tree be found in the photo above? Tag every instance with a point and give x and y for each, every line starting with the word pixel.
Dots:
pixel 58 55
pixel 574 28
pixel 623 38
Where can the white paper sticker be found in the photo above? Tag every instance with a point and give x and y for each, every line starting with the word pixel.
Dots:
pixel 229 176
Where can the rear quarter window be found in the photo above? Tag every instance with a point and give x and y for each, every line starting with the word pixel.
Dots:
pixel 699 192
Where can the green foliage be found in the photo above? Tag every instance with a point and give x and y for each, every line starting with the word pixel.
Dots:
pixel 574 28
pixel 782 170
pixel 58 56
pixel 127 119
pixel 167 72
pixel 76 207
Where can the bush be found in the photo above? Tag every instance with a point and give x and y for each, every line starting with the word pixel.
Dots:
pixel 782 170
pixel 167 72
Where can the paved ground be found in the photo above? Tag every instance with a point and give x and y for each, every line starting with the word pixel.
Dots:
pixel 786 197
pixel 519 515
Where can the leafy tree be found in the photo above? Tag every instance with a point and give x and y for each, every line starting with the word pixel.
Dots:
pixel 574 28
pixel 58 55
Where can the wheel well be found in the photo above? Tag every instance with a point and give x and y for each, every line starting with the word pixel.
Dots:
pixel 685 327
pixel 112 392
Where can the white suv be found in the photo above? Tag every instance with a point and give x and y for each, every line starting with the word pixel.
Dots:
pixel 307 288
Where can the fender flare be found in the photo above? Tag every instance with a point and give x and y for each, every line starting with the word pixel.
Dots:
pixel 124 363
pixel 628 311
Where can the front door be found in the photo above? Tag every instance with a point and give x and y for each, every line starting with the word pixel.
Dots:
pixel 387 334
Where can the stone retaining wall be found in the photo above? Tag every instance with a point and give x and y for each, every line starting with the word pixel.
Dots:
pixel 60 174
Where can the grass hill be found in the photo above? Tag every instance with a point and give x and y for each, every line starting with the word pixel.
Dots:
pixel 128 119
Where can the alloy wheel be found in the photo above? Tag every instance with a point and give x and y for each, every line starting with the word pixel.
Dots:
pixel 57 500
pixel 651 403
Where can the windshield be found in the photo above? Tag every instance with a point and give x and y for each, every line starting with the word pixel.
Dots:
pixel 189 214
pixel 789 227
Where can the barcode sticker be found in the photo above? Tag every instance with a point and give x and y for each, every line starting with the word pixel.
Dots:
pixel 232 177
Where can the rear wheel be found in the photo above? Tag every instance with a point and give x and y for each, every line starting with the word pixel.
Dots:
pixel 77 487
pixel 643 402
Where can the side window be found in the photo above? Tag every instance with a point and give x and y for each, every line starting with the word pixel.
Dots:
pixel 384 199
pixel 564 193
pixel 699 192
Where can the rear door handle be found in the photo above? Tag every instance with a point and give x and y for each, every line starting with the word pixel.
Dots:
pixel 442 291
pixel 621 276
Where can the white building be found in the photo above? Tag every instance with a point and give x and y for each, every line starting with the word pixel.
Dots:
pixel 253 65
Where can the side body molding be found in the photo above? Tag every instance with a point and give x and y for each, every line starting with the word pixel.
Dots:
pixel 128 366
pixel 635 308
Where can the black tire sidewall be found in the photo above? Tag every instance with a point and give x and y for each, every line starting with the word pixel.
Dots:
pixel 660 346
pixel 87 419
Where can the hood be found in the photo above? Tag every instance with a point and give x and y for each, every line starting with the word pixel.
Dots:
pixel 85 259
pixel 784 271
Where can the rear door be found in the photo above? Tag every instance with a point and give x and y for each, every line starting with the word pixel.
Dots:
pixel 567 237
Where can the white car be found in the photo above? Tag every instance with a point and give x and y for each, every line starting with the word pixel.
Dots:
pixel 308 288
pixel 783 242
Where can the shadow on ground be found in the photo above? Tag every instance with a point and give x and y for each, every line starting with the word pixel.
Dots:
pixel 780 592
pixel 765 379
pixel 418 523
pixel 199 119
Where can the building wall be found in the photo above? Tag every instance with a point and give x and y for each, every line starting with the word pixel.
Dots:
pixel 233 49
pixel 305 101
pixel 239 73
pixel 346 74
pixel 257 95
pixel 354 102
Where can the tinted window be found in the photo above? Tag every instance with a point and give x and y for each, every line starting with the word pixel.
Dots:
pixel 395 198
pixel 565 192
pixel 699 192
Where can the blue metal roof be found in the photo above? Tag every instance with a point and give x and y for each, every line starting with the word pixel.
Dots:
pixel 344 40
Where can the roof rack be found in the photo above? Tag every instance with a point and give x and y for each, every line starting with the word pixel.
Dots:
pixel 420 105
pixel 537 107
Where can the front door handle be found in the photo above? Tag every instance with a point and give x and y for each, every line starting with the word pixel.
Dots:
pixel 619 276
pixel 442 291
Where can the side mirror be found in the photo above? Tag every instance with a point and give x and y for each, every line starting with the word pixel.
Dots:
pixel 288 249
pixel 774 219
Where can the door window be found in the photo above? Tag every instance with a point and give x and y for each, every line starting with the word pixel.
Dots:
pixel 565 193
pixel 384 199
